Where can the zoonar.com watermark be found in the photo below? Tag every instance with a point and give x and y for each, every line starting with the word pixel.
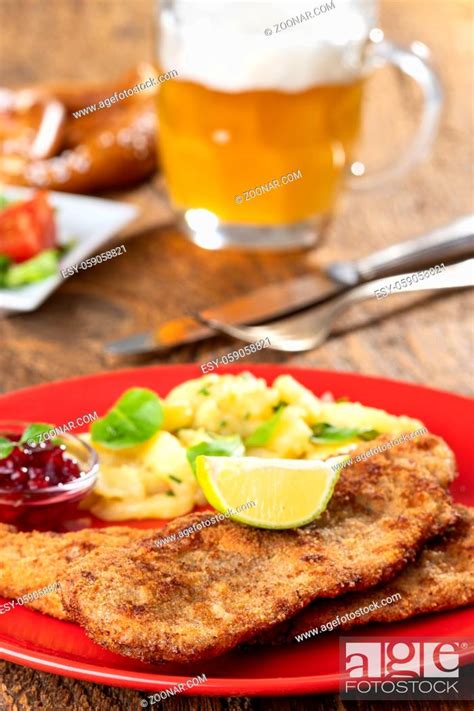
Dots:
pixel 177 689
pixel 63 429
pixel 302 17
pixel 267 187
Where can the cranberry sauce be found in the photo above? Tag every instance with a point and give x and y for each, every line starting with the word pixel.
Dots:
pixel 36 467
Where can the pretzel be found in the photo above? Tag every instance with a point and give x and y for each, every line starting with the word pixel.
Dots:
pixel 44 146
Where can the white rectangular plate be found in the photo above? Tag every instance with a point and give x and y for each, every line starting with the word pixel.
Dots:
pixel 89 222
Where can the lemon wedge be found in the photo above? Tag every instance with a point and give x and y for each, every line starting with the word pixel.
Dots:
pixel 286 493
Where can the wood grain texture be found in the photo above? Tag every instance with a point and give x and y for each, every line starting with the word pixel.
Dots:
pixel 422 340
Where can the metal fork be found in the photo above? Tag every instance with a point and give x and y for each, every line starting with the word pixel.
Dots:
pixel 310 329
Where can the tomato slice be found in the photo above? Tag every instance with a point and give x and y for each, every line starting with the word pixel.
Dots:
pixel 27 228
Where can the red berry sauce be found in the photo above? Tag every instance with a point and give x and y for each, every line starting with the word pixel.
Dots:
pixel 36 467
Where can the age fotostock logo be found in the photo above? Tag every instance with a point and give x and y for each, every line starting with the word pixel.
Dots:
pixel 376 668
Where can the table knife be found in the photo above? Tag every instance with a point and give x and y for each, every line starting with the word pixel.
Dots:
pixel 450 242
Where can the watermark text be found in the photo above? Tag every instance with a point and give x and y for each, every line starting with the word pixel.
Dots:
pixel 402 667
pixel 352 615
pixel 302 17
pixel 177 689
pixel 186 532
pixel 377 450
pixel 119 96
pixel 271 185
pixel 404 282
pixel 235 355
pixel 29 597
pixel 63 429
pixel 92 261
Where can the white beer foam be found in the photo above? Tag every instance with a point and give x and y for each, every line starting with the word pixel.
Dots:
pixel 222 44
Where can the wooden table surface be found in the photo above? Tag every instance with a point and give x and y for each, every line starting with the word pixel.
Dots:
pixel 428 341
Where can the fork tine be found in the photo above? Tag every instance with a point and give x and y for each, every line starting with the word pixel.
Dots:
pixel 278 332
pixel 250 334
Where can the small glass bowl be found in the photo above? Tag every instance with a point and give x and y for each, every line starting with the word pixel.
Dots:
pixel 44 507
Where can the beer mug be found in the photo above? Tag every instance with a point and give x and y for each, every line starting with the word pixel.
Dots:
pixel 259 127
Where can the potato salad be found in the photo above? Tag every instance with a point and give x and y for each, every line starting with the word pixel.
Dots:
pixel 147 445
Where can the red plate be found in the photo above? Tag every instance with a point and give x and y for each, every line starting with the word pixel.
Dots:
pixel 39 641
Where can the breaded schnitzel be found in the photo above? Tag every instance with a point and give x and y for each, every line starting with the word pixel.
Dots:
pixel 31 561
pixel 442 578
pixel 196 598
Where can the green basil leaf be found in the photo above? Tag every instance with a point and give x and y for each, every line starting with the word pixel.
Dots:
pixel 134 419
pixel 33 431
pixel 263 433
pixel 367 435
pixel 217 447
pixel 6 447
pixel 324 433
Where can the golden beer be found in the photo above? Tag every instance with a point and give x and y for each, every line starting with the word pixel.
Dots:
pixel 258 127
pixel 218 147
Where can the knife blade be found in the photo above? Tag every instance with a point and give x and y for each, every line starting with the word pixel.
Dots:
pixel 449 242
pixel 263 304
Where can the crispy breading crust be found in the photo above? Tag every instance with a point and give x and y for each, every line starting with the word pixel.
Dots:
pixel 442 578
pixel 198 597
pixel 32 561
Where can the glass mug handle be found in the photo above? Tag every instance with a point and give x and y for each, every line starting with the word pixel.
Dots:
pixel 409 63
